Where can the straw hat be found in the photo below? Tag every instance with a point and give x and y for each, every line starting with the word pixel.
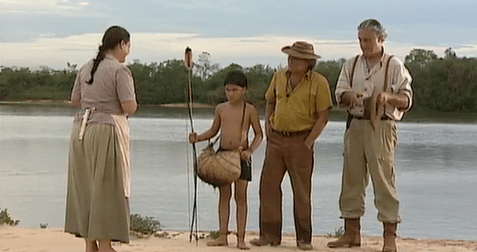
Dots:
pixel 301 49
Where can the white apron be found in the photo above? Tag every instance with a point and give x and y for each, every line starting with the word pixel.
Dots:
pixel 123 133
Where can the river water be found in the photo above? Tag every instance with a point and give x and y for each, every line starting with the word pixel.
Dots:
pixel 435 162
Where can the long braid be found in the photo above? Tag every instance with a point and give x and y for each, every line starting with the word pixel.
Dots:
pixel 111 38
pixel 96 61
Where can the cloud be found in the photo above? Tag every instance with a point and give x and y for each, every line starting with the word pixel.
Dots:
pixel 158 47
pixel 65 8
pixel 40 6
pixel 218 5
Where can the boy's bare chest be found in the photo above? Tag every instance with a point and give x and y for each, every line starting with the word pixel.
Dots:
pixel 232 123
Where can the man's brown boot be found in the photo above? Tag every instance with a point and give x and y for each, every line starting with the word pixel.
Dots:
pixel 351 237
pixel 389 235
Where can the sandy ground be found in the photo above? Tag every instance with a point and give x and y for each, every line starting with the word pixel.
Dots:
pixel 14 239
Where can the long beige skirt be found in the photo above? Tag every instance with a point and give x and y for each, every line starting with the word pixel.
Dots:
pixel 96 206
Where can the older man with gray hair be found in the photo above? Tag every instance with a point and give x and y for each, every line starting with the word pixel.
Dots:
pixel 375 87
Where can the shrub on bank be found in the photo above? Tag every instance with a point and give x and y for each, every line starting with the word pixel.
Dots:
pixel 6 219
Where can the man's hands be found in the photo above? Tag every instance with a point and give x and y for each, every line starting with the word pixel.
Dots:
pixel 351 98
pixel 398 100
pixel 382 98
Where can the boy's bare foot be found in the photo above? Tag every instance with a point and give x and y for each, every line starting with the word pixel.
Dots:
pixel 241 245
pixel 220 241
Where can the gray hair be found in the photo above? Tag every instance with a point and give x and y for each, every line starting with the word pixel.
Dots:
pixel 375 26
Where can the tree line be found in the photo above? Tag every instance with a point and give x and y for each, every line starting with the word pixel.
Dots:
pixel 446 83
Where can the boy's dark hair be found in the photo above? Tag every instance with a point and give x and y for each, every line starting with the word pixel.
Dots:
pixel 236 77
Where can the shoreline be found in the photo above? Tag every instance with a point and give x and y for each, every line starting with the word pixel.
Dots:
pixel 337 113
pixel 16 239
pixel 67 102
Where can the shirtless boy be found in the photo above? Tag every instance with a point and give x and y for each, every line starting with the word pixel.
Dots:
pixel 234 118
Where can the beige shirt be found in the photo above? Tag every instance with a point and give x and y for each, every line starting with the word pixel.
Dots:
pixel 113 84
pixel 365 80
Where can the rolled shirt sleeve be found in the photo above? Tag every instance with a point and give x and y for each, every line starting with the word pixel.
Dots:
pixel 76 91
pixel 125 85
pixel 344 85
pixel 402 81
pixel 323 94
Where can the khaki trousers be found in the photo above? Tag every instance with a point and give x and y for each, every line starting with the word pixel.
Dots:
pixel 286 154
pixel 369 152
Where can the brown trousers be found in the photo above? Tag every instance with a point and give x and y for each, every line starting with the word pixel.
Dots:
pixel 286 154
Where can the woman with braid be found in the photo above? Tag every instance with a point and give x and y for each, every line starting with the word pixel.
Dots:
pixel 97 204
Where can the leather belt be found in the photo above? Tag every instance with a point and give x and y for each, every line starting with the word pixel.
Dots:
pixel 384 118
pixel 291 133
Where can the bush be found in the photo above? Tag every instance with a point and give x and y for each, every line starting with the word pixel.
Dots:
pixel 6 219
pixel 144 226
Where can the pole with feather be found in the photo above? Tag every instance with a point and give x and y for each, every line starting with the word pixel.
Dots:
pixel 188 65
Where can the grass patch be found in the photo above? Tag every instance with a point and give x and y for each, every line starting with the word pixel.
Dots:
pixel 336 234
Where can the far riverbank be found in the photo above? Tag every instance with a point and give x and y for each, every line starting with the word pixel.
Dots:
pixel 206 110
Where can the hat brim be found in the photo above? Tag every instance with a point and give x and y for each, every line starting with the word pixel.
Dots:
pixel 289 51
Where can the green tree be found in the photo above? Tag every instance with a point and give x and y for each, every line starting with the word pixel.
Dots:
pixel 420 57
pixel 450 54
pixel 446 84
pixel 259 77
pixel 204 68
pixel 442 84
pixel 331 69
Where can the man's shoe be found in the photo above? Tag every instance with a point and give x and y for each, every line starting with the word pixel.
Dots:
pixel 263 242
pixel 305 246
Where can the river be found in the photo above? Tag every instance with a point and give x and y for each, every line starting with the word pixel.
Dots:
pixel 435 162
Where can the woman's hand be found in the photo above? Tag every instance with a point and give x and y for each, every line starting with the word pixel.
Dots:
pixel 193 137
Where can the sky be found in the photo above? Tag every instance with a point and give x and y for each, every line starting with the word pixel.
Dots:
pixel 52 33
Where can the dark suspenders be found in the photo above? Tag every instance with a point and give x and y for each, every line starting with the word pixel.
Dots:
pixel 385 86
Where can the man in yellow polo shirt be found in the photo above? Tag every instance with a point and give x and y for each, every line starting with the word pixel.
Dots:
pixel 298 105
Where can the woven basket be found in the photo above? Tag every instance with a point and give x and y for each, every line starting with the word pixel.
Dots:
pixel 219 168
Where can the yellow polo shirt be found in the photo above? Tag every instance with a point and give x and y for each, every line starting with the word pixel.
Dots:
pixel 297 109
